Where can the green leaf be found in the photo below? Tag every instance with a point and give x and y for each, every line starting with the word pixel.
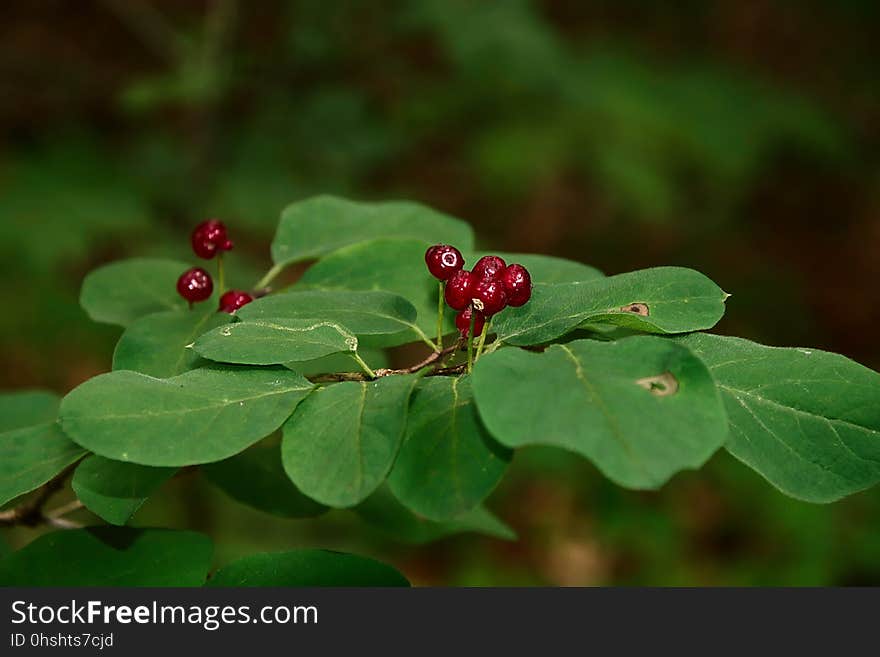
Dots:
pixel 543 268
pixel 377 318
pixel 307 568
pixel 161 344
pixel 110 556
pixel 659 300
pixel 641 408
pixel 256 478
pixel 115 490
pixel 199 416
pixel 341 442
pixel 383 511
pixel 396 266
pixel 122 291
pixel 807 420
pixel 319 225
pixel 275 341
pixel 448 462
pixel 33 449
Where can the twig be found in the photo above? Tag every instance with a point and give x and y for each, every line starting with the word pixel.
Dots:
pixel 63 523
pixel 64 509
pixel 450 371
pixel 435 357
pixel 430 360
pixel 30 513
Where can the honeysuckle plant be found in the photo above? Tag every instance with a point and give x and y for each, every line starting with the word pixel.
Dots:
pixel 283 395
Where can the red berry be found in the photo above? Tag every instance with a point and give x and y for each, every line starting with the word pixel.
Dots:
pixel 210 237
pixel 490 294
pixel 233 300
pixel 488 268
pixel 518 285
pixel 195 284
pixel 443 261
pixel 458 290
pixel 463 321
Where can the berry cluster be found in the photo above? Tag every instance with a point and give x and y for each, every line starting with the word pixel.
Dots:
pixel 486 290
pixel 209 239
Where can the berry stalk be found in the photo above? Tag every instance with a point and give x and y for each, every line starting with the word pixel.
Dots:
pixel 221 278
pixel 470 364
pixel 483 335
pixel 441 287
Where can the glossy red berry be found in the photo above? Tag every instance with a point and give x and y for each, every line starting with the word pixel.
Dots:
pixel 463 321
pixel 518 285
pixel 195 284
pixel 488 268
pixel 458 290
pixel 209 237
pixel 443 261
pixel 490 294
pixel 233 300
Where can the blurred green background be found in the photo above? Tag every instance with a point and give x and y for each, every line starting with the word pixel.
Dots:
pixel 736 137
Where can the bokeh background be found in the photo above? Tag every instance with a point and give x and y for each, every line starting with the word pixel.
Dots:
pixel 738 137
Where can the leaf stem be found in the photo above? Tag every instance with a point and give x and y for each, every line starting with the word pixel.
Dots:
pixel 364 366
pixel 440 297
pixel 428 341
pixel 269 277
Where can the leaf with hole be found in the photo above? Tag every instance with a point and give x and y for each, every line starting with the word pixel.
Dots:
pixel 319 225
pixel 33 449
pixel 307 568
pixel 199 416
pixel 110 556
pixel 659 300
pixel 256 478
pixel 377 318
pixel 805 419
pixel 641 409
pixel 115 490
pixel 341 442
pixel 448 462
pixel 121 292
pixel 161 344
pixel 275 341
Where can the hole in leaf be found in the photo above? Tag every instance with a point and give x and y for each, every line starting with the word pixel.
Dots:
pixel 661 385
pixel 636 309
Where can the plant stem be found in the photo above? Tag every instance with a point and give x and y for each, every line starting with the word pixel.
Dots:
pixel 483 335
pixel 441 290
pixel 364 366
pixel 470 363
pixel 30 513
pixel 424 338
pixel 269 277
pixel 221 279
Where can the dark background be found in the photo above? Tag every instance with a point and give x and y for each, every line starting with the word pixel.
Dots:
pixel 736 137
